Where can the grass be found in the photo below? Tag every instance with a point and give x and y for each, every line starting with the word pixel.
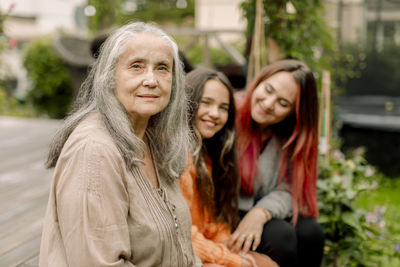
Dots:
pixel 384 206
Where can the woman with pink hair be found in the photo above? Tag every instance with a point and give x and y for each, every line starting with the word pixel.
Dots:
pixel 278 149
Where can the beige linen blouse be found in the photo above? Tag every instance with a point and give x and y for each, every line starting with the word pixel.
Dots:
pixel 101 214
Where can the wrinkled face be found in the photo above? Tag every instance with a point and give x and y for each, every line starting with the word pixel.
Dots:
pixel 212 113
pixel 274 99
pixel 143 76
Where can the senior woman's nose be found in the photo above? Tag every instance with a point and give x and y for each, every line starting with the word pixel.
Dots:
pixel 149 79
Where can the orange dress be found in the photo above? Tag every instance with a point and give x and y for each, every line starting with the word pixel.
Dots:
pixel 208 235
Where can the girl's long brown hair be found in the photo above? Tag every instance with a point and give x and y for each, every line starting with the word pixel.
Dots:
pixel 219 193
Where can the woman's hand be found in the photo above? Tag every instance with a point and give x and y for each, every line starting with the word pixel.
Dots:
pixel 249 230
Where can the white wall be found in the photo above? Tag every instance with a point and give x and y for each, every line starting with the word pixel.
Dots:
pixel 46 16
pixel 219 15
pixel 353 19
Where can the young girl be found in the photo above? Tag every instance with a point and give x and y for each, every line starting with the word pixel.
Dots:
pixel 211 184
pixel 277 146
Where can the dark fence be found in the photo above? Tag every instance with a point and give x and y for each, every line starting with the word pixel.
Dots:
pixel 372 122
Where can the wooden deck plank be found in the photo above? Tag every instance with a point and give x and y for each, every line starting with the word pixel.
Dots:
pixel 21 254
pixel 13 226
pixel 16 239
pixel 24 188
pixel 33 262
pixel 23 192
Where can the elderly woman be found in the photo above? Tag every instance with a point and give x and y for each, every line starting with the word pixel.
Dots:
pixel 114 199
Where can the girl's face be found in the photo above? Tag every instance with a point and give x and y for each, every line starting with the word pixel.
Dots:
pixel 274 99
pixel 212 113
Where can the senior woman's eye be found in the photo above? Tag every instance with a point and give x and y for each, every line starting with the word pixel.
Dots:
pixel 163 68
pixel 135 66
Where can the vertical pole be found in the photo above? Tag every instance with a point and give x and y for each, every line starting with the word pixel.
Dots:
pixel 206 52
pixel 378 11
pixel 326 82
pixel 321 110
pixel 340 23
pixel 257 56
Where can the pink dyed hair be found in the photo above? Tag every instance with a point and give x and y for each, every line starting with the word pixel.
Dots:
pixel 298 134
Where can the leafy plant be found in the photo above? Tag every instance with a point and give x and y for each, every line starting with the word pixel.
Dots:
pixel 51 92
pixel 163 11
pixel 107 14
pixel 383 207
pixel 217 55
pixel 303 34
pixel 110 13
pixel 348 234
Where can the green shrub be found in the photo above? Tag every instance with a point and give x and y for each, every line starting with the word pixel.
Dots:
pixel 383 207
pixel 162 12
pixel 51 91
pixel 218 56
pixel 302 34
pixel 350 238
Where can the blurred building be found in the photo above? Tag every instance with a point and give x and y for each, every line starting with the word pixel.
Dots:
pixel 362 21
pixel 219 15
pixel 370 116
pixel 33 18
pixel 29 19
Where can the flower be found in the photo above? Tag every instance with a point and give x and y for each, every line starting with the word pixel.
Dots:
pixel 374 185
pixel 349 163
pixel 337 154
pixel 360 151
pixel 369 171
pixel 397 247
pixel 369 233
pixel 13 43
pixel 369 217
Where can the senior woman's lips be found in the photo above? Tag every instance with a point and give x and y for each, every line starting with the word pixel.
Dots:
pixel 150 96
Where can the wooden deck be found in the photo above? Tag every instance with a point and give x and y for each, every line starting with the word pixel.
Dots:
pixel 24 187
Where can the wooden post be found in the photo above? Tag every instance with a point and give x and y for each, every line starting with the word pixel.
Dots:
pixel 324 124
pixel 274 51
pixel 258 55
pixel 321 112
pixel 206 52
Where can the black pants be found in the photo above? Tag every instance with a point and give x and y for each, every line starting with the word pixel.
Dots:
pixel 288 246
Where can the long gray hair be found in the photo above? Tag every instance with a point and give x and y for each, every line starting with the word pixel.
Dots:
pixel 167 131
